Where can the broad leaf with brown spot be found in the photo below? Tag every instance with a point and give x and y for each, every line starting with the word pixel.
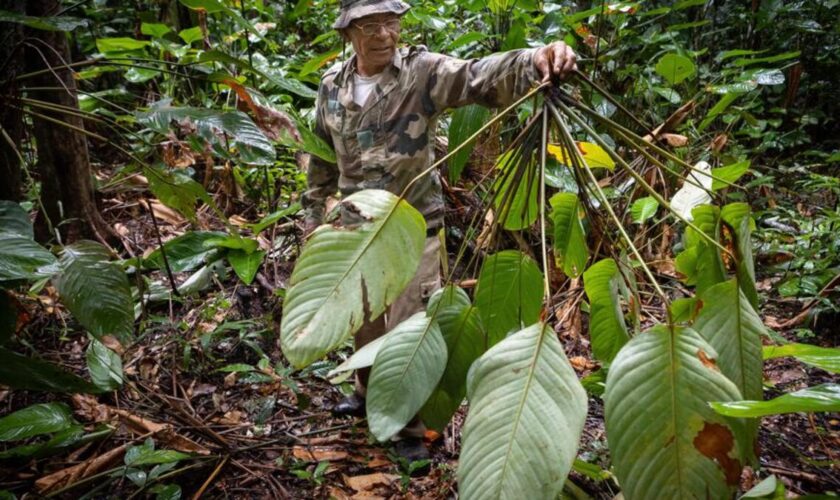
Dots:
pixel 347 275
pixel 665 440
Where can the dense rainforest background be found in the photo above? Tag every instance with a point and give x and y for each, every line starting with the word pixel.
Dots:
pixel 655 240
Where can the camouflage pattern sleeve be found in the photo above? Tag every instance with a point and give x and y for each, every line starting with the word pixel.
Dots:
pixel 321 176
pixel 493 81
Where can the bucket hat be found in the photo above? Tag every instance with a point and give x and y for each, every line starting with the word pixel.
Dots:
pixel 355 9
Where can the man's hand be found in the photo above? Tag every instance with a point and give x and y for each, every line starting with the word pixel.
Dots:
pixel 555 60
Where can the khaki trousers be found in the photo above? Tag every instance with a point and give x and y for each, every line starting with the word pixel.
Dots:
pixel 412 300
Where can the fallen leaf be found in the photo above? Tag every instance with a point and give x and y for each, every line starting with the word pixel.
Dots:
pixel 319 454
pixel 76 473
pixel 338 494
pixel 230 380
pixel 675 140
pixel 113 344
pixel 370 481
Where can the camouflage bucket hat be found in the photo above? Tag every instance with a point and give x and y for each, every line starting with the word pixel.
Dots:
pixel 355 9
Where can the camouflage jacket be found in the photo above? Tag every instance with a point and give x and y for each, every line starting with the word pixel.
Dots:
pixel 388 141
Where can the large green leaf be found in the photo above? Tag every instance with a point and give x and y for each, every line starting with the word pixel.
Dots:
pixel 226 132
pixel 20 372
pixel 14 220
pixel 527 411
pixel 509 293
pixel 187 252
pixel 607 330
pixel 665 441
pixel 406 370
pixel 465 337
pixel 824 397
pixel 826 358
pixel 105 366
pixel 347 275
pixel 245 264
pixel 96 290
pixel 465 122
pixel 643 209
pixel 675 68
pixel 729 173
pixel 23 259
pixel 570 250
pixel 730 324
pixel 35 420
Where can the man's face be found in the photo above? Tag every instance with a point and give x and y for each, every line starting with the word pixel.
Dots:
pixel 375 38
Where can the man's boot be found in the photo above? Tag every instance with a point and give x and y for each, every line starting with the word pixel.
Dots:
pixel 412 449
pixel 351 406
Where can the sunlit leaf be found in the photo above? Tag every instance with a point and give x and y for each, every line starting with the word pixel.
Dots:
pixel 594 155
pixel 825 358
pixel 675 68
pixel 730 173
pixel 821 398
pixel 643 209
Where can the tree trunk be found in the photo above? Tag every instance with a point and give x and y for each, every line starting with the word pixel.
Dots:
pixel 11 118
pixel 63 164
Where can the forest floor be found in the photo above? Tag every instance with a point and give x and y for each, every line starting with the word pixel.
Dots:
pixel 195 384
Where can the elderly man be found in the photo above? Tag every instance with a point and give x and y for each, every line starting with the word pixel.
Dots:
pixel 379 111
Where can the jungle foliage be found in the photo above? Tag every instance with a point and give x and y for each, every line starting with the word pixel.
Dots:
pixel 642 193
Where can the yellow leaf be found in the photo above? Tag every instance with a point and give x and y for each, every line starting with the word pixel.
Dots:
pixel 594 155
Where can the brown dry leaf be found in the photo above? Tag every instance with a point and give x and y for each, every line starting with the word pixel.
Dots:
pixel 149 368
pixel 319 454
pixel 80 471
pixel 164 213
pixel 719 142
pixel 675 140
pixel 202 390
pixel 230 380
pixel 91 410
pixel 113 344
pixel 370 481
pixel 666 267
pixel 378 462
pixel 177 154
pixel 163 432
pixel 580 363
pixel 484 236
pixel 233 417
pixel 238 220
pixel 121 229
pixel 774 323
pixel 338 494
